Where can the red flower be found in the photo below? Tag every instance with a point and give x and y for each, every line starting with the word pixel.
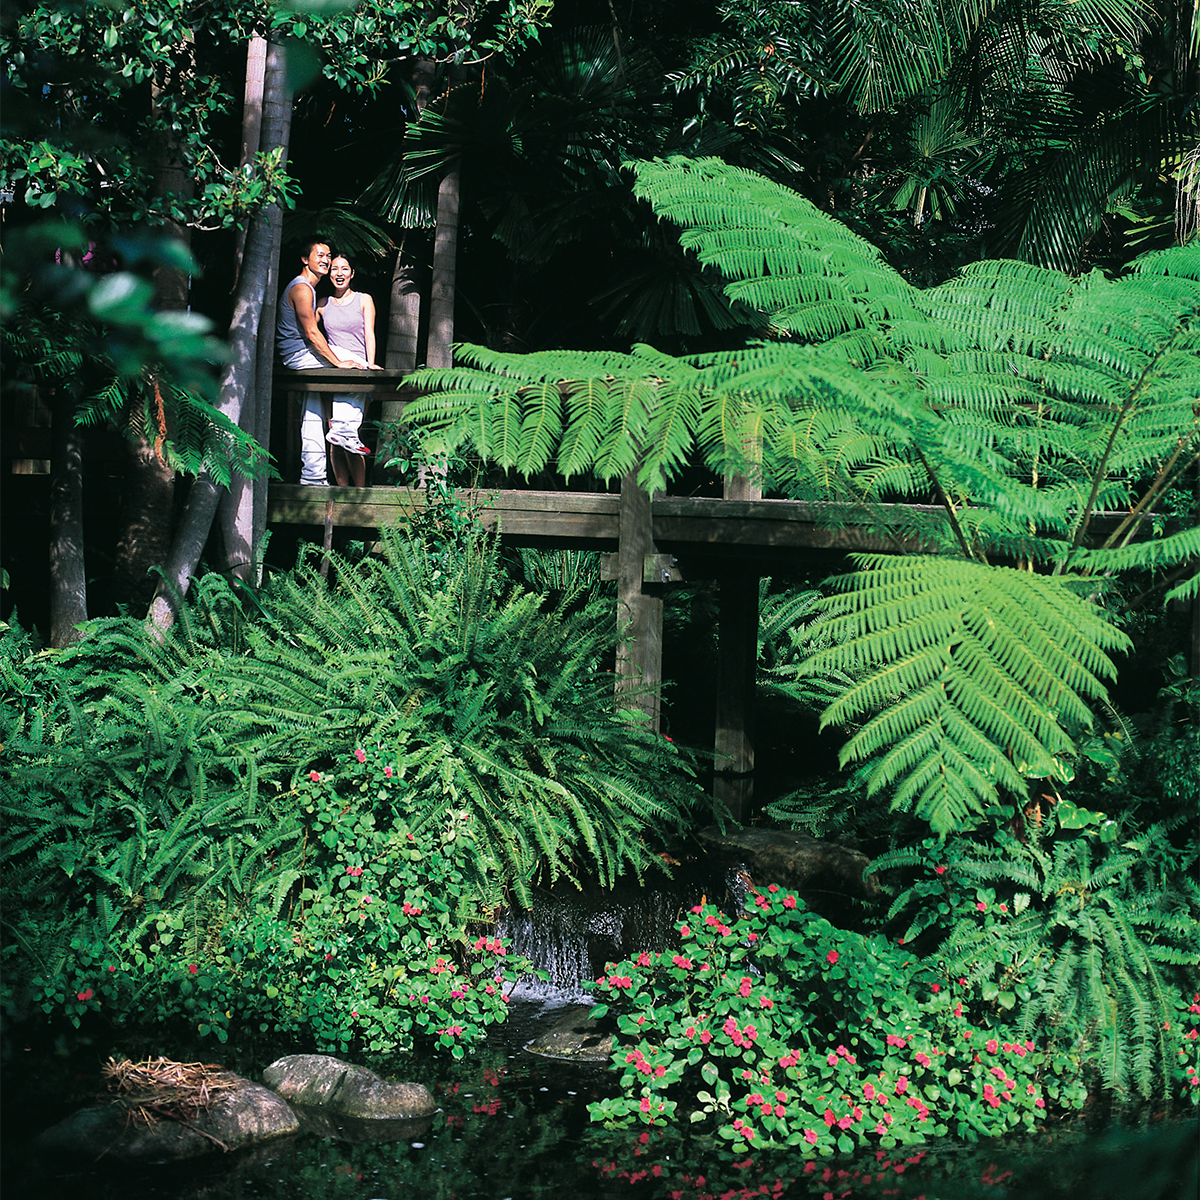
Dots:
pixel 939 870
pixel 193 968
pixel 935 988
pixel 87 994
pixel 832 956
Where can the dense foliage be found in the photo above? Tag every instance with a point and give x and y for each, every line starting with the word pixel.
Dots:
pixel 165 789
pixel 783 1030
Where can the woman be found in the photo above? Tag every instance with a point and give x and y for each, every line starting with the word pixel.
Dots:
pixel 348 318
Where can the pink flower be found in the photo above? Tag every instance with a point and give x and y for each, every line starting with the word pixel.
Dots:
pixel 810 1136
pixel 193 968
pixel 746 984
pixel 789 901
pixel 645 1104
pixel 981 906
pixel 315 776
pixel 705 1037
pixel 354 1013
pixel 893 1040
pixel 869 1091
pixel 939 870
pixel 923 1059
pixel 361 755
pixel 832 956
pixel 111 970
pixel 935 988
pixel 86 994
pixel 832 1060
pixel 1039 1103
pixel 992 1046
pixel 830 1119
pixel 766 1002
pixel 388 772
pixel 901 1085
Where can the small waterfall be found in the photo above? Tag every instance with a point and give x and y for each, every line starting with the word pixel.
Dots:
pixel 572 933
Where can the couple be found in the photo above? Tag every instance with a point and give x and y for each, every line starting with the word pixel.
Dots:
pixel 347 340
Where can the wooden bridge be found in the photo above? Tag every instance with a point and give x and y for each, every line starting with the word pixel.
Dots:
pixel 652 543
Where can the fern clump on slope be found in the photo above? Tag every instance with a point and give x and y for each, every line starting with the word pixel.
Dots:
pixel 1065 934
pixel 142 779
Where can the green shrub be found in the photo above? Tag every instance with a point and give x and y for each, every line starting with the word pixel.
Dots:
pixel 371 949
pixel 150 788
pixel 786 1031
pixel 1066 936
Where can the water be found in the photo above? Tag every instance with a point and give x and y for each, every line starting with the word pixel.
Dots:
pixel 514 1126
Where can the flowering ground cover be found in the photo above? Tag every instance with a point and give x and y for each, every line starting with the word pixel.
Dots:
pixel 777 1029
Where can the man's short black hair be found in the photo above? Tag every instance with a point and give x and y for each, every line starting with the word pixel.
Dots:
pixel 306 247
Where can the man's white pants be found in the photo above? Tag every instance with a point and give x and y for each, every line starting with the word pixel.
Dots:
pixel 312 422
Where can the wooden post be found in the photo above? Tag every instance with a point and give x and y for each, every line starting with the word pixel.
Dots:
pixel 639 609
pixel 737 661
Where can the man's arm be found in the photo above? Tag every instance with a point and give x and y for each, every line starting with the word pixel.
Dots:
pixel 300 298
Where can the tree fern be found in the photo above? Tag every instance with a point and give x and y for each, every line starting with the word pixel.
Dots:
pixel 965 677
pixel 1022 400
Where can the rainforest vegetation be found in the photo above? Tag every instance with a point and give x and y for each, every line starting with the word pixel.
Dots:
pixel 932 268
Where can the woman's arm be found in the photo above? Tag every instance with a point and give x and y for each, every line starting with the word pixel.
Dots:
pixel 369 329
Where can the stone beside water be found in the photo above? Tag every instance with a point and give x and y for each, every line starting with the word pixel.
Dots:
pixel 321 1081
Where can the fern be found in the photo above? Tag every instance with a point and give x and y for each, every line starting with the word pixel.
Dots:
pixel 1023 400
pixel 1072 935
pixel 965 677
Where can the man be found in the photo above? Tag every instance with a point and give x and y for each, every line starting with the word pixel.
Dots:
pixel 302 346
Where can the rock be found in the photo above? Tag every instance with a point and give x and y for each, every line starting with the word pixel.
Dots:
pixel 319 1081
pixel 362 1130
pixel 244 1116
pixel 576 1037
pixel 796 860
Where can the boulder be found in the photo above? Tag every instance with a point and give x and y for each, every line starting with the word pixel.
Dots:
pixel 243 1115
pixel 319 1081
pixel 362 1130
pixel 576 1038
pixel 795 860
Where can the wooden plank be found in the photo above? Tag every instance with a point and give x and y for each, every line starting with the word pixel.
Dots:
pixel 639 610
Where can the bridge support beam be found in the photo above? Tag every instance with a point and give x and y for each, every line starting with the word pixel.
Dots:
pixel 737 658
pixel 639 605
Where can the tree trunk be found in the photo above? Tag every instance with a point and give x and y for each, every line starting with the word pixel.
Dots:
pixel 269 115
pixel 148 497
pixel 440 351
pixel 235 384
pixel 404 312
pixel 404 315
pixel 252 119
pixel 68 578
